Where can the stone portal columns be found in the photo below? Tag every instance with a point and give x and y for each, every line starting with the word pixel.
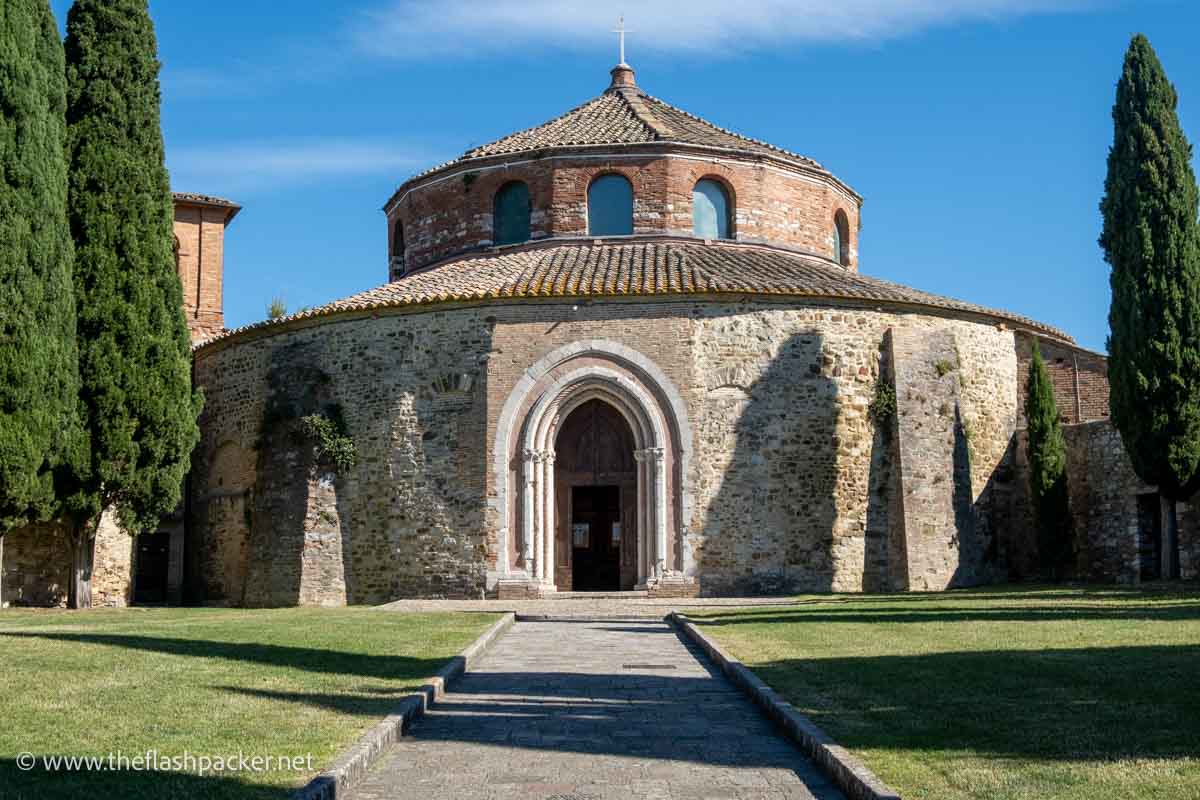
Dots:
pixel 660 511
pixel 643 518
pixel 652 511
pixel 527 517
pixel 537 541
pixel 548 529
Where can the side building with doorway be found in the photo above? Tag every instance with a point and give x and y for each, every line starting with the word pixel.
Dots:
pixel 35 561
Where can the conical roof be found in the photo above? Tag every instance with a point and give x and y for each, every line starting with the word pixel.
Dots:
pixel 624 115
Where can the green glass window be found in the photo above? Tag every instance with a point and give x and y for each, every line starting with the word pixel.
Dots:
pixel 710 210
pixel 837 242
pixel 610 206
pixel 511 221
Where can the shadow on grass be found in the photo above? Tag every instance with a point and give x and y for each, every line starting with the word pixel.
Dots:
pixel 1088 704
pixel 1048 610
pixel 42 784
pixel 374 703
pixel 303 658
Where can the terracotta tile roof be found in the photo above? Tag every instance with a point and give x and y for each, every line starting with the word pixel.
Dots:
pixel 206 199
pixel 627 116
pixel 622 115
pixel 658 267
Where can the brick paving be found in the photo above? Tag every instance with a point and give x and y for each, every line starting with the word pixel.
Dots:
pixel 592 710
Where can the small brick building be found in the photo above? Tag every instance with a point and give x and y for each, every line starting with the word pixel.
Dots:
pixel 631 350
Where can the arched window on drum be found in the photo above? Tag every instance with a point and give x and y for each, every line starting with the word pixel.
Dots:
pixel 511 211
pixel 610 206
pixel 711 210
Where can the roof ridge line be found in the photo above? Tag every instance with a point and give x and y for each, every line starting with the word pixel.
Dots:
pixel 632 97
pixel 733 133
pixel 506 137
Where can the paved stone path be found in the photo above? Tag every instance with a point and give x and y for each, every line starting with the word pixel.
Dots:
pixel 599 605
pixel 593 710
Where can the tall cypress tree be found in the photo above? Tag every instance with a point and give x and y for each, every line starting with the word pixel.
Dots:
pixel 39 426
pixel 134 351
pixel 1151 239
pixel 1047 469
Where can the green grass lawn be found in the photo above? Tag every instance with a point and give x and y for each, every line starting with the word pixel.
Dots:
pixel 995 693
pixel 288 682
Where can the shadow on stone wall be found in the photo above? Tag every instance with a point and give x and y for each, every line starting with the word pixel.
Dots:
pixel 884 567
pixel 769 528
pixel 437 468
pixel 295 552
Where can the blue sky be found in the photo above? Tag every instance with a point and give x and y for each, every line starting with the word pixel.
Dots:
pixel 977 130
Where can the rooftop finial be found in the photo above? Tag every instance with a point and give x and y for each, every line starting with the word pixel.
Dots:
pixel 620 29
pixel 622 73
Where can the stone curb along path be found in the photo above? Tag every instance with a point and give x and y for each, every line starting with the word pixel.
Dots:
pixel 354 763
pixel 850 774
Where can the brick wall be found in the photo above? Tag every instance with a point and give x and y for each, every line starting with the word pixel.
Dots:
pixel 1080 378
pixel 452 213
pixel 200 232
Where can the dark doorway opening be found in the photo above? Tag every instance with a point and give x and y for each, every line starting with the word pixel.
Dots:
pixel 1149 537
pixel 150 567
pixel 596 538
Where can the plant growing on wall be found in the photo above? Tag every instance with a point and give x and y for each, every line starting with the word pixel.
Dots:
pixel 1152 242
pixel 1047 470
pixel 277 308
pixel 39 384
pixel 134 351
pixel 882 407
pixel 329 440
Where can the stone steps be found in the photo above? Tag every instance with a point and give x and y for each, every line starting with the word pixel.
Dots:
pixel 631 595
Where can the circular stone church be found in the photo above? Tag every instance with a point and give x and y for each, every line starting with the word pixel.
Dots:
pixel 625 350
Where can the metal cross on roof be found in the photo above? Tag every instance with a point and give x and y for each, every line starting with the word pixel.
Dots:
pixel 622 31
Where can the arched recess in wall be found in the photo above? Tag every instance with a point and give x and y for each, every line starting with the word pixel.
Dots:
pixel 523 451
pixel 396 264
pixel 712 210
pixel 841 238
pixel 610 206
pixel 511 211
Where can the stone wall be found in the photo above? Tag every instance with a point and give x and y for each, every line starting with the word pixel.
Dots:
pixel 270 528
pixel 955 415
pixel 452 214
pixel 112 565
pixel 36 564
pixel 790 486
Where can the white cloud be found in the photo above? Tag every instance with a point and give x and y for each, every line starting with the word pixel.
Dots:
pixel 273 164
pixel 421 28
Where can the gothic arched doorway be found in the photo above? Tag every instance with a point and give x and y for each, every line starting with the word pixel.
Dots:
pixel 596 486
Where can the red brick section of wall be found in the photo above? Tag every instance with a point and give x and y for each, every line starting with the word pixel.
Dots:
pixel 453 214
pixel 1080 379
pixel 200 233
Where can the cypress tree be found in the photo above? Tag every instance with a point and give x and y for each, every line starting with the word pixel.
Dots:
pixel 1152 243
pixel 1047 469
pixel 134 350
pixel 39 426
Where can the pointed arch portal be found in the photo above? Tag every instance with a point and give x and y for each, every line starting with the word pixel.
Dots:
pixel 595 440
